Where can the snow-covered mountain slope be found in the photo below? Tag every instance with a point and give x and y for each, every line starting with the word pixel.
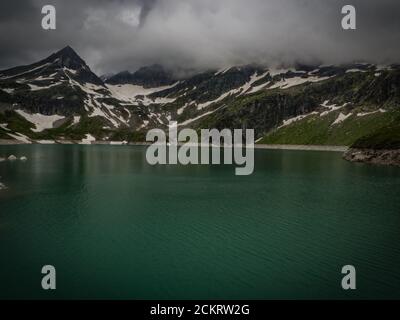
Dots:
pixel 61 98
pixel 63 87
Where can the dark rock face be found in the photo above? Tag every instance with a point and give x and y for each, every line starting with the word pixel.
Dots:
pixel 263 113
pixel 68 58
pixel 382 157
pixel 148 77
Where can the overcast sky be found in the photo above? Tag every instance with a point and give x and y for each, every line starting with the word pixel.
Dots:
pixel 115 35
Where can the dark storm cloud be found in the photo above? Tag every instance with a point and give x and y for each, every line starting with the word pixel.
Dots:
pixel 113 35
pixel 145 10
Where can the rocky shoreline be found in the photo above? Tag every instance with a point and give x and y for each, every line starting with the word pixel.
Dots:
pixel 373 156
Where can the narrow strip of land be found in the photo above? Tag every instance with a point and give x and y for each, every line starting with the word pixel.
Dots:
pixel 302 147
pixel 256 146
pixel 10 142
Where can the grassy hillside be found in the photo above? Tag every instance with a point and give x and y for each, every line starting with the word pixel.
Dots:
pixel 321 130
pixel 387 137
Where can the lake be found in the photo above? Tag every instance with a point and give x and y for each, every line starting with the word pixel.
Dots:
pixel 115 227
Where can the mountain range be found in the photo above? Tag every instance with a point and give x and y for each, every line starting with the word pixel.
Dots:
pixel 60 99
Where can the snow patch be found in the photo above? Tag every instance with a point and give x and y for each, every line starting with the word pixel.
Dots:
pixel 41 121
pixel 97 111
pixel 37 88
pixel 199 117
pixel 254 78
pixel 8 90
pixel 144 124
pixel 274 72
pixel 147 101
pixel 76 120
pixel 294 119
pixel 20 137
pixel 129 114
pixel 341 118
pixel 286 83
pixel 180 110
pixel 4 126
pixel 240 90
pixel 220 98
pixel 355 70
pixel 362 114
pixel 129 92
pixel 88 139
pixel 118 143
pixel 29 71
pixel 222 71
pixel 46 141
pixel 332 107
pixel 381 67
pixel 258 88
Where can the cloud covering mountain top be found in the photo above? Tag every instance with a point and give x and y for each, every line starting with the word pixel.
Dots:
pixel 114 35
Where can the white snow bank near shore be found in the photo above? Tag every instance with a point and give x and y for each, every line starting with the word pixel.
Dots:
pixel 118 143
pixel 46 141
pixel 88 139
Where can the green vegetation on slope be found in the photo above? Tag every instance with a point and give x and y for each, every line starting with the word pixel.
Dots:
pixel 93 125
pixel 384 138
pixel 16 123
pixel 320 130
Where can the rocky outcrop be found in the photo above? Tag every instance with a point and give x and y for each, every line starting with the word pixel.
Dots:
pixel 382 157
pixel 148 77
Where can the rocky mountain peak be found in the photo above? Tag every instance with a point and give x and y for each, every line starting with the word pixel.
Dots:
pixel 67 57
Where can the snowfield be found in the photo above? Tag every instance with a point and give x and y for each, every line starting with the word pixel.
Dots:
pixel 295 81
pixel 130 93
pixel 41 121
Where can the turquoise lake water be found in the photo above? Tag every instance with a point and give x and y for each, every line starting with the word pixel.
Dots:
pixel 115 227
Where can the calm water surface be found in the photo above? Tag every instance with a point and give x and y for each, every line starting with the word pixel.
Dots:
pixel 116 227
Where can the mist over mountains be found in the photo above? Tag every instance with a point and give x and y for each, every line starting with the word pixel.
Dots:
pixel 196 35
